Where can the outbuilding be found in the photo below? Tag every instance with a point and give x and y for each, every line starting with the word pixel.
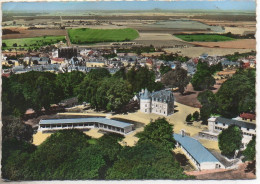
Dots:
pixel 200 157
pixel 86 123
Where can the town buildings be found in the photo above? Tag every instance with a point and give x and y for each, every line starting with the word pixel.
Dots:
pixel 217 124
pixel 158 102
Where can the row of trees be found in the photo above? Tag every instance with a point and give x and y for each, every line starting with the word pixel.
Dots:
pixel 236 95
pixel 103 91
pixel 173 57
pixel 70 154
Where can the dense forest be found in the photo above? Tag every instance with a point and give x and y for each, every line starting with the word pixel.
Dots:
pixel 102 90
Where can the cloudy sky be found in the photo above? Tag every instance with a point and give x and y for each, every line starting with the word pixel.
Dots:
pixel 132 5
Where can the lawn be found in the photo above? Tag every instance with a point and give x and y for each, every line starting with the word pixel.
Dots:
pixel 32 43
pixel 204 38
pixel 88 36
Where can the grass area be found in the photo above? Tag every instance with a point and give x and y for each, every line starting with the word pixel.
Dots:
pixel 92 141
pixel 87 36
pixel 204 38
pixel 31 43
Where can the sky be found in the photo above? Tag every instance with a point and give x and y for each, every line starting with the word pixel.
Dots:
pixel 131 5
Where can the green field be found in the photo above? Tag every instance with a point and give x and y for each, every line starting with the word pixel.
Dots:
pixel 86 35
pixel 204 38
pixel 32 43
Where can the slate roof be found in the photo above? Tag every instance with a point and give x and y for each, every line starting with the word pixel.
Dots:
pixel 235 122
pixel 87 120
pixel 145 95
pixel 195 149
pixel 163 95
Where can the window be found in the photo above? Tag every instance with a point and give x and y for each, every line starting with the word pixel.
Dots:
pixel 216 123
pixel 247 129
pixel 224 124
pixel 145 105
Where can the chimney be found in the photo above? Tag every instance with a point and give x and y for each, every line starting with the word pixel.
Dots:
pixel 182 133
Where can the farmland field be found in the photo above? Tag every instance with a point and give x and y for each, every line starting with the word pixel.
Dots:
pixel 86 35
pixel 32 43
pixel 204 38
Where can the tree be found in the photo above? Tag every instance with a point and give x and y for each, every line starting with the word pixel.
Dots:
pixel 202 79
pixel 44 94
pixel 67 82
pixel 118 93
pixel 35 62
pixel 215 68
pixel 188 118
pixel 229 140
pixel 15 45
pixel 121 73
pixel 164 69
pixel 146 160
pixel 4 44
pixel 237 94
pixel 250 151
pixel 209 105
pixel 14 127
pixel 196 115
pixel 159 132
pixel 177 78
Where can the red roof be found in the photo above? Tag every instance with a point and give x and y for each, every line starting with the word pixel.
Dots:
pixel 149 61
pixel 246 65
pixel 5 74
pixel 247 116
pixel 58 59
pixel 195 60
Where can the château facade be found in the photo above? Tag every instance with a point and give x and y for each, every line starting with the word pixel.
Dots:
pixel 158 102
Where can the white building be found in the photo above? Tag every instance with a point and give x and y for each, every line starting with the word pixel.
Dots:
pixel 199 156
pixel 217 124
pixel 159 102
pixel 86 123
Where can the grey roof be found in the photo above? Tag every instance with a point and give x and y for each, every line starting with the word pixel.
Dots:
pixel 46 59
pixel 35 58
pixel 86 120
pixel 163 95
pixel 145 95
pixel 70 100
pixel 227 62
pixel 195 149
pixel 235 122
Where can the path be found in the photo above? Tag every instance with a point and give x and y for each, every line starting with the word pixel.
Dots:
pixel 68 39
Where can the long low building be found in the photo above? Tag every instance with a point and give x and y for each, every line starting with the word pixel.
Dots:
pixel 86 123
pixel 201 158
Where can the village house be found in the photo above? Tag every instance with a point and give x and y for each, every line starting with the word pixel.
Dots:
pixel 58 60
pixel 158 102
pixel 95 63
